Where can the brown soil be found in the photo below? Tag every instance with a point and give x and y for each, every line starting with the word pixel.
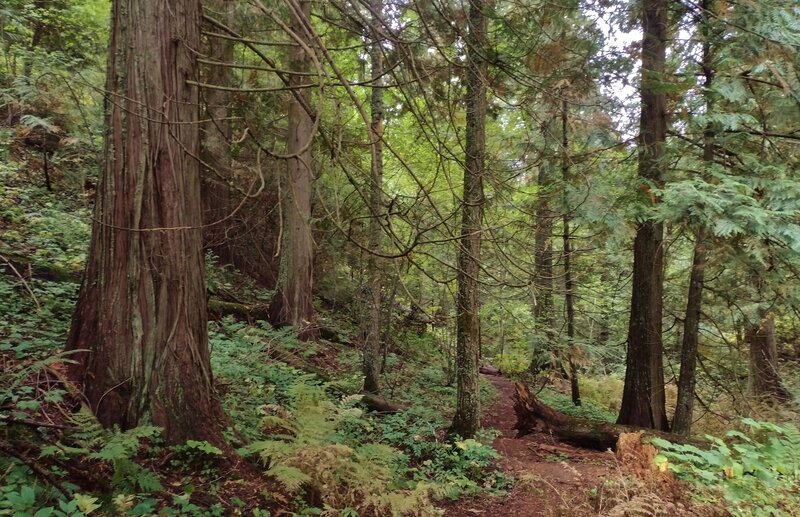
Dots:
pixel 553 478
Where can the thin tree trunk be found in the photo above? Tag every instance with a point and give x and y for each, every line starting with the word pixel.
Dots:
pixel 292 301
pixel 569 293
pixel 466 420
pixel 372 345
pixel 141 313
pixel 543 254
pixel 643 400
pixel 682 422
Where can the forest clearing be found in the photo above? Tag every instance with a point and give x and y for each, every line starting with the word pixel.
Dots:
pixel 366 258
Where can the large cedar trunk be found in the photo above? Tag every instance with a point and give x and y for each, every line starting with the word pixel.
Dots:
pixel 372 343
pixel 140 323
pixel 765 381
pixel 292 302
pixel 643 400
pixel 237 228
pixel 466 420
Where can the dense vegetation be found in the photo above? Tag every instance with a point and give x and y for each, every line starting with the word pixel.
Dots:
pixel 254 252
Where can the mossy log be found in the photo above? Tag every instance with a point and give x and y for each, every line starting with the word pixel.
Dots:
pixel 535 416
pixel 250 312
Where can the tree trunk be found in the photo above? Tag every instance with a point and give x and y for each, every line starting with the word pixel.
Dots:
pixel 141 313
pixel 215 140
pixel 682 422
pixel 372 344
pixel 466 421
pixel 569 294
pixel 39 26
pixel 543 254
pixel 643 400
pixel 765 381
pixel 292 301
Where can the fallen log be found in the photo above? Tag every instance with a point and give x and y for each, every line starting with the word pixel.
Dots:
pixel 488 369
pixel 535 416
pixel 260 311
pixel 379 404
pixel 17 264
pixel 219 308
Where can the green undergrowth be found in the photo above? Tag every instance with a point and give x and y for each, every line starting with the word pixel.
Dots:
pixel 47 231
pixel 292 411
pixel 312 435
pixel 756 471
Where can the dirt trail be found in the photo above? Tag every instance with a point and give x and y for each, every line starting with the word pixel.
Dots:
pixel 553 478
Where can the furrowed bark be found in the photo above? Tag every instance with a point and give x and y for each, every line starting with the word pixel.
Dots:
pixel 140 322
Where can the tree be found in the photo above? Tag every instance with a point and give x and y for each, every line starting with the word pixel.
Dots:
pixel 643 401
pixel 765 382
pixel 292 302
pixel 215 139
pixel 543 309
pixel 139 329
pixel 372 345
pixel 682 421
pixel 569 283
pixel 466 421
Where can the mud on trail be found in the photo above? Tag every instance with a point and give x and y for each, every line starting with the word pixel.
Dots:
pixel 554 478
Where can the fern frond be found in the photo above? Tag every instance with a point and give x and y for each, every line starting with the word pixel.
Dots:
pixel 291 477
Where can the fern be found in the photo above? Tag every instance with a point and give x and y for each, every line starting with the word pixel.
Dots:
pixel 756 472
pixel 290 477
pixel 313 459
pixel 117 448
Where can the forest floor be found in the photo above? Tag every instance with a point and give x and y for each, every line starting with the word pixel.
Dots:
pixel 555 478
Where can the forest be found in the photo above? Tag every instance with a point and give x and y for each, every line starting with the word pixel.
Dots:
pixel 399 257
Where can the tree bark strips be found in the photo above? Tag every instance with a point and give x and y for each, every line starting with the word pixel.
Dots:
pixel 643 398
pixel 466 420
pixel 140 324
